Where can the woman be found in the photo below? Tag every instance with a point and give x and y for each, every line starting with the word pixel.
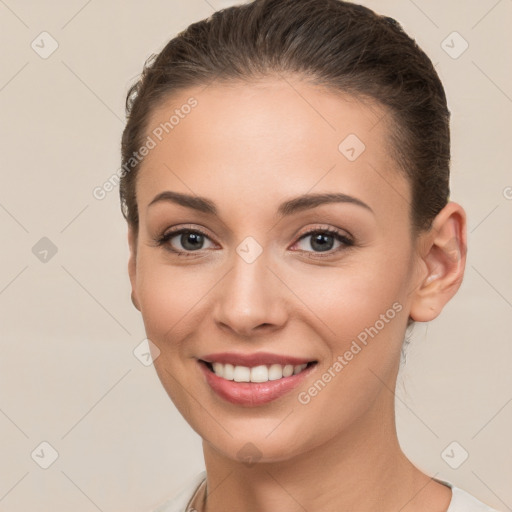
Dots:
pixel 286 189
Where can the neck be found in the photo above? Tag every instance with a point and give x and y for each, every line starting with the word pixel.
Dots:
pixel 363 468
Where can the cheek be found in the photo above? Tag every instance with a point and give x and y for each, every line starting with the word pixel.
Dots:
pixel 169 296
pixel 355 295
pixel 366 325
pixel 362 325
pixel 361 316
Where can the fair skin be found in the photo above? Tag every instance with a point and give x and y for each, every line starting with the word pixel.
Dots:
pixel 248 148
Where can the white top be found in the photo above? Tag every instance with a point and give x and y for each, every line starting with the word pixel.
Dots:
pixel 188 499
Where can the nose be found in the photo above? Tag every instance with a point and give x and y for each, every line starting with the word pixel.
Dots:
pixel 251 298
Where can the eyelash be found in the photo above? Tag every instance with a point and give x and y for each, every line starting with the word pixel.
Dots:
pixel 345 240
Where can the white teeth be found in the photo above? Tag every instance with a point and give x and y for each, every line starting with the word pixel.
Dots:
pixel 218 369
pixel 288 370
pixel 242 374
pixel 298 368
pixel 260 373
pixel 229 371
pixel 275 372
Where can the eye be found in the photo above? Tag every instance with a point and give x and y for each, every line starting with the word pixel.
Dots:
pixel 322 240
pixel 190 240
pixel 186 241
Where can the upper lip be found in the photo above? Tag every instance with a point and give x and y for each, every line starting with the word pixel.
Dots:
pixel 254 359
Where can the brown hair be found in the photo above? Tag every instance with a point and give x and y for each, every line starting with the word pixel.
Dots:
pixel 344 46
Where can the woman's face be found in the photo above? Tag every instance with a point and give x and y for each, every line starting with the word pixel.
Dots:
pixel 262 271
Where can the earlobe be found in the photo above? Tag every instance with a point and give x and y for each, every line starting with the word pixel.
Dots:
pixel 132 264
pixel 444 261
pixel 134 301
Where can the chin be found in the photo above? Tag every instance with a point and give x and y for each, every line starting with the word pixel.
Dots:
pixel 250 450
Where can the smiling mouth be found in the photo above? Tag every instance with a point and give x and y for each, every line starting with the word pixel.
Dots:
pixel 255 374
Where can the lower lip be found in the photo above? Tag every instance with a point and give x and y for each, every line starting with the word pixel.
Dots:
pixel 251 394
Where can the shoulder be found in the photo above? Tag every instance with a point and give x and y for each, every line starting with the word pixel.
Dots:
pixel 186 492
pixel 462 501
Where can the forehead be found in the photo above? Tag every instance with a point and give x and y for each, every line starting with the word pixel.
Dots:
pixel 268 139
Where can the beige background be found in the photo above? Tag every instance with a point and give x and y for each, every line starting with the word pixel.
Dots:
pixel 68 375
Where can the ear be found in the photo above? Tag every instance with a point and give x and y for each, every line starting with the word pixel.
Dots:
pixel 443 258
pixel 132 263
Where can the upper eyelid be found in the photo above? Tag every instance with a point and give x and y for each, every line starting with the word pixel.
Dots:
pixel 307 231
pixel 329 229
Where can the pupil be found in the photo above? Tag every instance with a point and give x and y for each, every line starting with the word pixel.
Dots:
pixel 320 239
pixel 191 237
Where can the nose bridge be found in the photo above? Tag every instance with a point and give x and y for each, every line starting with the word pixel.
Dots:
pixel 249 294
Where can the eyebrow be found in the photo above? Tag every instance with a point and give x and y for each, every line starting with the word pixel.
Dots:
pixel 289 207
